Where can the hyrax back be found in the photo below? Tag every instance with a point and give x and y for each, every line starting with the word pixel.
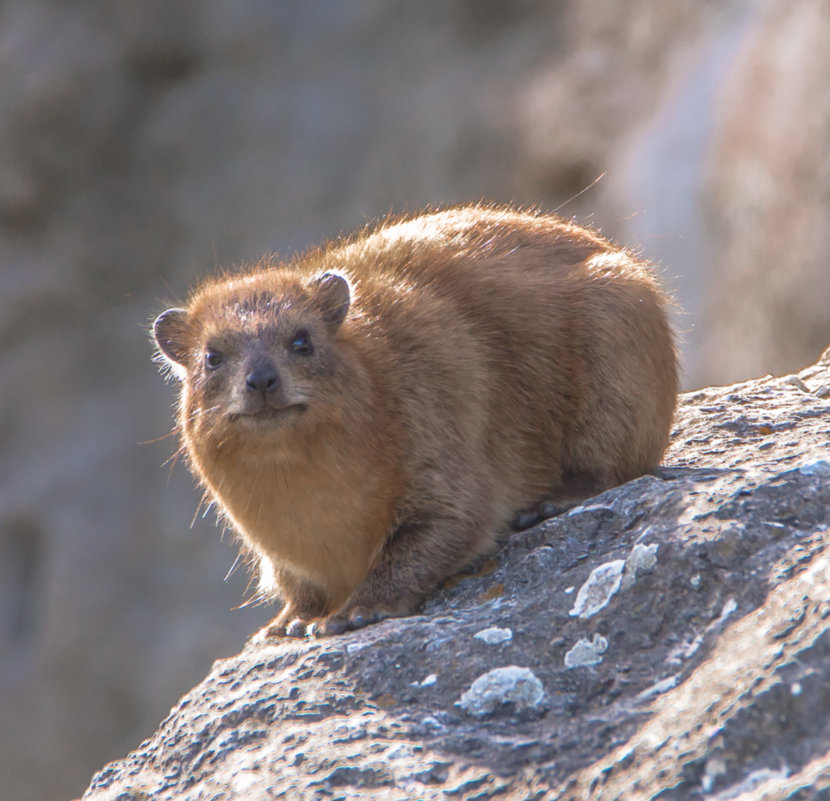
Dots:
pixel 371 416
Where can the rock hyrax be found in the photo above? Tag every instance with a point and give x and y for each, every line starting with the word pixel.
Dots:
pixel 369 417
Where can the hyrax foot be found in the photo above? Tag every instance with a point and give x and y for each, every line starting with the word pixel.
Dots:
pixel 297 628
pixel 356 618
pixel 526 518
pixel 285 624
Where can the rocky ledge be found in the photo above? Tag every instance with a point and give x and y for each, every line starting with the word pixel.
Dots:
pixel 668 638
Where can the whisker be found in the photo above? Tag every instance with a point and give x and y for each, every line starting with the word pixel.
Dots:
pixel 169 434
pixel 173 459
pixel 580 192
pixel 233 567
pixel 205 502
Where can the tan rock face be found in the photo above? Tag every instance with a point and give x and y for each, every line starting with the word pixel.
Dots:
pixel 141 144
pixel 767 199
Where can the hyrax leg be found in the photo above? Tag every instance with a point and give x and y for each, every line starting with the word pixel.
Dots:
pixel 533 515
pixel 414 561
pixel 573 490
pixel 303 601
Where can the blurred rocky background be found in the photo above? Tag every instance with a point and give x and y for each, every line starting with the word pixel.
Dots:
pixel 143 144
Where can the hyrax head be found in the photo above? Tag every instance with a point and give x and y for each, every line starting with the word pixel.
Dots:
pixel 252 352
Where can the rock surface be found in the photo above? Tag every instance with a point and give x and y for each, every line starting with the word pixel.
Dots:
pixel 711 679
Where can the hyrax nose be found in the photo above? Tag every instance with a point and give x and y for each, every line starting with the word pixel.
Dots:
pixel 263 377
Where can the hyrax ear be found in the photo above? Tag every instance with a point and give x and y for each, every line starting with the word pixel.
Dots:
pixel 334 295
pixel 169 331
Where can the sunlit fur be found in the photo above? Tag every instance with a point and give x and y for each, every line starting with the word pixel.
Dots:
pixel 490 359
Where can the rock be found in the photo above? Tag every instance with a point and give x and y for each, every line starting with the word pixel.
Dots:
pixel 706 675
pixel 717 173
pixel 765 194
pixel 144 144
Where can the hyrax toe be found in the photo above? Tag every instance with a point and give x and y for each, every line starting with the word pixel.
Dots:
pixel 357 617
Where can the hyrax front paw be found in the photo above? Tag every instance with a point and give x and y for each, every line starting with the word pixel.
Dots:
pixel 283 626
pixel 355 618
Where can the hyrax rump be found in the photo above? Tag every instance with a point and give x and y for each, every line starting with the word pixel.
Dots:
pixel 370 417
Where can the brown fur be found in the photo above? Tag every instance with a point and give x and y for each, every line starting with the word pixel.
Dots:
pixel 478 362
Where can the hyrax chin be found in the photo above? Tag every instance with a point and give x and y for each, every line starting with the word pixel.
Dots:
pixel 371 416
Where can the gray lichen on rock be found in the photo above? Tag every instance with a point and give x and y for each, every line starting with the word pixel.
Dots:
pixel 515 686
pixel 494 635
pixel 586 652
pixel 642 559
pixel 598 589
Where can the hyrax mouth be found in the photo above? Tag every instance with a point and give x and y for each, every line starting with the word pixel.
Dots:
pixel 268 414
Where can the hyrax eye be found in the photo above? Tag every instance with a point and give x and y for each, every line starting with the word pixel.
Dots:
pixel 301 343
pixel 213 359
